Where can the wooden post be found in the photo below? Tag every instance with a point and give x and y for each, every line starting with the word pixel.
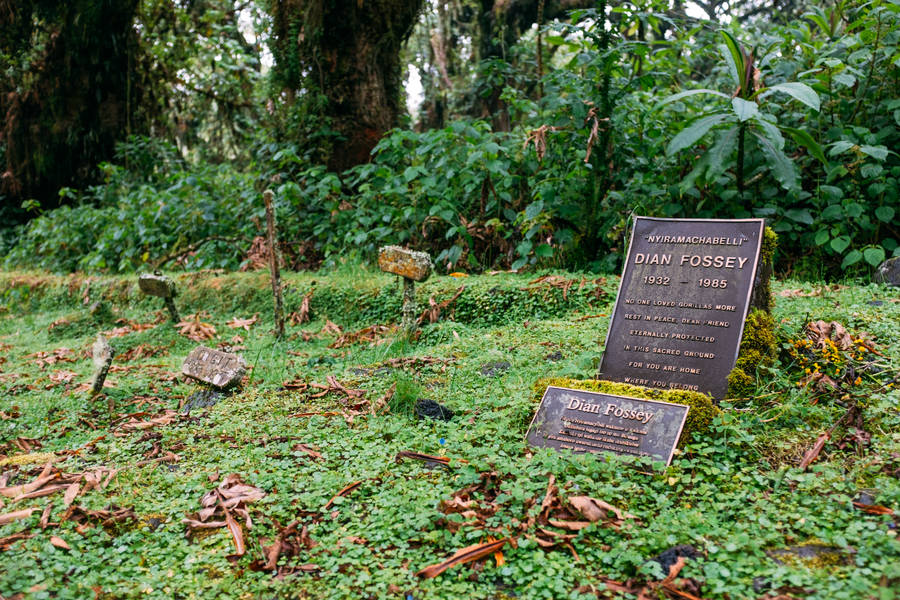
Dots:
pixel 273 263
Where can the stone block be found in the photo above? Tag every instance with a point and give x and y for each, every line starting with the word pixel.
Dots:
pixel 406 263
pixel 157 285
pixel 222 370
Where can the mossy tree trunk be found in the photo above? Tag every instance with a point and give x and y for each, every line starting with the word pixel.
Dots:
pixel 347 51
pixel 64 114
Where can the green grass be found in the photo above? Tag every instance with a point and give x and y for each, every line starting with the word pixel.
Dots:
pixel 734 495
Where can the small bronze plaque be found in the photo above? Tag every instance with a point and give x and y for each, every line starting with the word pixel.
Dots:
pixel 592 422
pixel 679 315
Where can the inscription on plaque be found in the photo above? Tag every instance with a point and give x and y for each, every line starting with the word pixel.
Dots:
pixel 679 315
pixel 592 422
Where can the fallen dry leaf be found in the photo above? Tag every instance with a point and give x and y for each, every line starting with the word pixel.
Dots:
pixel 59 542
pixel 16 515
pixel 195 329
pixel 344 491
pixel 462 556
pixel 874 509
pixel 237 322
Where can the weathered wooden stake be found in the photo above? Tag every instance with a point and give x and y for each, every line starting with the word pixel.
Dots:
pixel 273 262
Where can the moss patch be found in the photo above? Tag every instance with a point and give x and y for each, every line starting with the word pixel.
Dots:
pixel 758 348
pixel 700 416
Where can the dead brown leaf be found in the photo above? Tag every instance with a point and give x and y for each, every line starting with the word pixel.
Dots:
pixel 237 322
pixel 462 556
pixel 195 329
pixel 16 515
pixel 344 491
pixel 59 542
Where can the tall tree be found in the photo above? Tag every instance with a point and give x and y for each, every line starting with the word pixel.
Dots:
pixel 346 52
pixel 65 98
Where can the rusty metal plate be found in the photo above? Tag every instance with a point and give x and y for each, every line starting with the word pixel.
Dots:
pixel 593 422
pixel 680 311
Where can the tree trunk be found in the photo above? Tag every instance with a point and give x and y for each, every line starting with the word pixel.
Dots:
pixel 349 52
pixel 66 115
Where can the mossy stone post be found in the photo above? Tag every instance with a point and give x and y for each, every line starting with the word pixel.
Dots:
pixel 412 267
pixel 758 345
pixel 159 285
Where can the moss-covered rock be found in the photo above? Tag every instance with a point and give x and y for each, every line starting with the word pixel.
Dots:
pixel 758 348
pixel 758 344
pixel 699 419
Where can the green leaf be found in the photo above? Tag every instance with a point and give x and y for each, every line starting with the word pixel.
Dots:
pixel 543 251
pixel 783 168
pixel 832 212
pixel 744 109
pixel 680 95
pixel 770 130
pixel 799 91
pixel 734 57
pixel 874 255
pixel 876 152
pixel 801 215
pixel 821 237
pixel 689 135
pixel 853 257
pixel 802 138
pixel 839 147
pixel 718 156
pixel 534 209
pixel 840 243
pixel 885 213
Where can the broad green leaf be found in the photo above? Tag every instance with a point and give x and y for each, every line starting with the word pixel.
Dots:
pixel 852 258
pixel 802 138
pixel 689 135
pixel 680 95
pixel 783 168
pixel 840 243
pixel 876 152
pixel 534 209
pixel 874 255
pixel 832 212
pixel 543 251
pixel 770 130
pixel 885 213
pixel 744 109
pixel 799 91
pixel 839 147
pixel 821 237
pixel 718 156
pixel 801 215
pixel 854 210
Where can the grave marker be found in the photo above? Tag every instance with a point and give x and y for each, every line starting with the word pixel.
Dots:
pixel 684 296
pixel 411 266
pixel 154 284
pixel 222 370
pixel 103 355
pixel 594 422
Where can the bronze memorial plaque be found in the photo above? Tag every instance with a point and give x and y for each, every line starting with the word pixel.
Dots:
pixel 592 422
pixel 682 302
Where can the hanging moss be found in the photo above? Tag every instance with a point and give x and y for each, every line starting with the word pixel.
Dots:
pixel 699 419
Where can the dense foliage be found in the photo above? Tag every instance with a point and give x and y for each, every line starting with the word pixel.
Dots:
pixel 639 110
